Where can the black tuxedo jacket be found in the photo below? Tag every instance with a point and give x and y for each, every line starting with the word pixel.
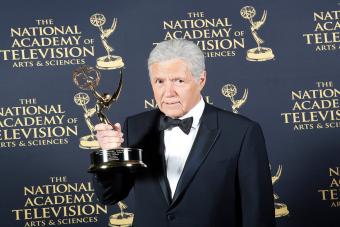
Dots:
pixel 226 180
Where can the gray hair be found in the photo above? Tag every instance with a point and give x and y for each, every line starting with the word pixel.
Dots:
pixel 179 49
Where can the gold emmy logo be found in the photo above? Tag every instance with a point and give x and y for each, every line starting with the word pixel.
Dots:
pixel 122 219
pixel 229 91
pixel 88 141
pixel 109 61
pixel 281 209
pixel 258 53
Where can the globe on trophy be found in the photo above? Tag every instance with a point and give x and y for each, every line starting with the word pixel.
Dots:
pixel 87 78
pixel 258 53
pixel 109 61
pixel 229 91
pixel 122 219
pixel 281 209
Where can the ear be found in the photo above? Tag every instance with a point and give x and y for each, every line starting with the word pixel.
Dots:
pixel 202 79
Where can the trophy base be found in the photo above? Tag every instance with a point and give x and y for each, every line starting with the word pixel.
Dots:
pixel 119 220
pixel 109 62
pixel 281 210
pixel 88 142
pixel 126 158
pixel 260 54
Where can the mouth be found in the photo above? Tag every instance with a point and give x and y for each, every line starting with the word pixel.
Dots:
pixel 170 103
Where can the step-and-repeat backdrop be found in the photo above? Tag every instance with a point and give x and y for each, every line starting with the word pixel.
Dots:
pixel 276 62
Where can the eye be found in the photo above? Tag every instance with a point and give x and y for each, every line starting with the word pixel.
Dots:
pixel 159 81
pixel 179 81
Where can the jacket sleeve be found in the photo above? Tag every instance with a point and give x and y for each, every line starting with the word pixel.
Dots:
pixel 114 185
pixel 254 179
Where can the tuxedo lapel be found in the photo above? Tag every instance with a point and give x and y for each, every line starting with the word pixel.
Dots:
pixel 205 138
pixel 163 180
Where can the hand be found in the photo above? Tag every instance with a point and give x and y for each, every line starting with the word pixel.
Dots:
pixel 108 136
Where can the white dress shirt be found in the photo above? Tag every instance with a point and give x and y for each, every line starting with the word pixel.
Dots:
pixel 178 145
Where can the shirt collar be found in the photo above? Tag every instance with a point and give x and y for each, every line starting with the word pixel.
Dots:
pixel 196 112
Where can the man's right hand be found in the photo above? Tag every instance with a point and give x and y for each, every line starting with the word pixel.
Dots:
pixel 109 136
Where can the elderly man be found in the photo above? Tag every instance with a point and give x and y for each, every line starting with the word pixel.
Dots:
pixel 206 167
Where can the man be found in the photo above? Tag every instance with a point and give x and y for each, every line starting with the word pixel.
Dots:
pixel 206 167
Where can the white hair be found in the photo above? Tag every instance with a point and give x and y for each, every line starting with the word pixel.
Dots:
pixel 179 49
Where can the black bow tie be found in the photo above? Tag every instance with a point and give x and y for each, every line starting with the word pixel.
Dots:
pixel 167 122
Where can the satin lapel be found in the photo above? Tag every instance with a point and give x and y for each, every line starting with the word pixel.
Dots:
pixel 163 181
pixel 205 139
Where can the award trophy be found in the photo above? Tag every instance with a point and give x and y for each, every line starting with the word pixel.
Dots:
pixel 229 91
pixel 87 78
pixel 281 209
pixel 258 53
pixel 109 61
pixel 121 219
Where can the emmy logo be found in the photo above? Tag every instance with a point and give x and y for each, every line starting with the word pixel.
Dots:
pixel 122 219
pixel 258 53
pixel 281 209
pixel 109 61
pixel 229 91
pixel 89 141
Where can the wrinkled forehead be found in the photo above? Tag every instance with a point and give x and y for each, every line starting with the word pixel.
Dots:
pixel 170 68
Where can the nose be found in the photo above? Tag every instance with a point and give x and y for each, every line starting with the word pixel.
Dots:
pixel 169 89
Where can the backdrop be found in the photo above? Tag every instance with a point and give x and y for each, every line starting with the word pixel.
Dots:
pixel 276 62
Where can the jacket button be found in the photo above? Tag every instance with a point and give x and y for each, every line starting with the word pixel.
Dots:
pixel 171 217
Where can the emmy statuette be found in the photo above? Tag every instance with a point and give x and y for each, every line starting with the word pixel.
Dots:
pixel 258 53
pixel 87 78
pixel 281 209
pixel 229 91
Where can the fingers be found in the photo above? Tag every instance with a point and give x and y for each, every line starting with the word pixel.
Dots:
pixel 102 127
pixel 109 137
pixel 117 127
pixel 108 144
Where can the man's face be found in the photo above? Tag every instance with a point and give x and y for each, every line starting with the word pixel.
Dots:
pixel 175 89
